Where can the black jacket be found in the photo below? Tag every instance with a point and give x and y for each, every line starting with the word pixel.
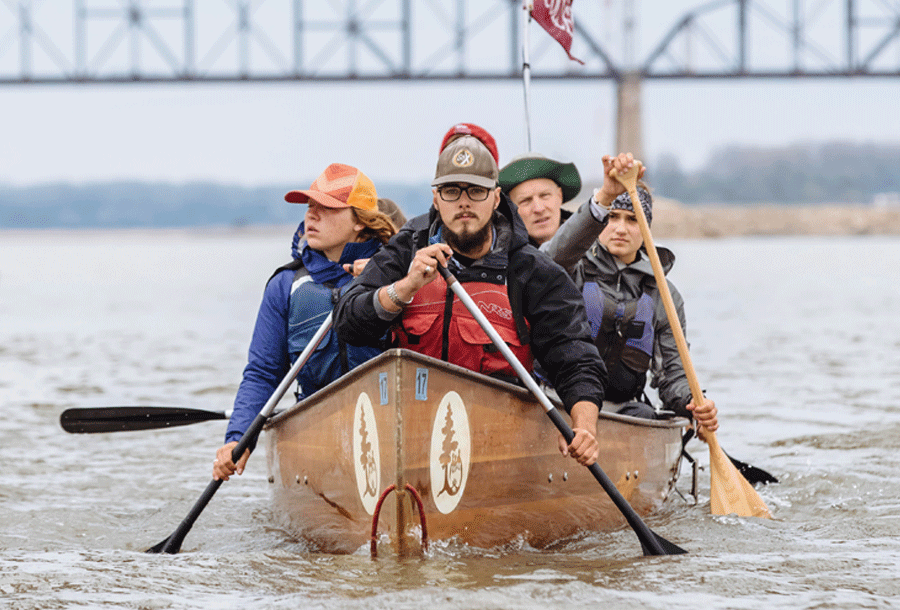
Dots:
pixel 539 291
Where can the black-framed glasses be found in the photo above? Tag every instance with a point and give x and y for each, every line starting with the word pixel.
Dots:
pixel 454 192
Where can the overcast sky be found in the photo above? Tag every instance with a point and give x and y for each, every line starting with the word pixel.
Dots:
pixel 255 134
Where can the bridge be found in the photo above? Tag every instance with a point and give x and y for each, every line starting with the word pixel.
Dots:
pixel 116 42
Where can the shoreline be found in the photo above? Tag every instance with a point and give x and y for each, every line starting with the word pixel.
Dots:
pixel 671 220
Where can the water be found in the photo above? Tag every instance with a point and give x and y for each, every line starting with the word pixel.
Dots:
pixel 797 340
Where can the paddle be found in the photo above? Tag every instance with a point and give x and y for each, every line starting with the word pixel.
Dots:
pixel 172 544
pixel 729 491
pixel 91 420
pixel 651 543
pixel 753 474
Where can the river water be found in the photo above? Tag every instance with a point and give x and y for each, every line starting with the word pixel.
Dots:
pixel 796 339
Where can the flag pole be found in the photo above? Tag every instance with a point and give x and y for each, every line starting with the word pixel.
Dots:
pixel 526 71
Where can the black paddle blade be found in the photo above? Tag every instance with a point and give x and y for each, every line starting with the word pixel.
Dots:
pixel 753 474
pixel 651 542
pixel 663 547
pixel 166 546
pixel 172 544
pixel 91 420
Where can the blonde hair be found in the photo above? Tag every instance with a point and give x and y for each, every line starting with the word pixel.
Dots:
pixel 377 225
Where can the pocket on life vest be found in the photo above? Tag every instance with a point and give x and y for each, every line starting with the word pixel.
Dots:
pixel 471 332
pixel 419 325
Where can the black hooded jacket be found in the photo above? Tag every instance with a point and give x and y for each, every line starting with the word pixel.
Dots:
pixel 539 291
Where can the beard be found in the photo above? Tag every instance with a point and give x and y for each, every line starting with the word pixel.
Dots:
pixel 468 241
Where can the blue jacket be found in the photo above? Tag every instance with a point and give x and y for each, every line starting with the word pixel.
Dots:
pixel 280 335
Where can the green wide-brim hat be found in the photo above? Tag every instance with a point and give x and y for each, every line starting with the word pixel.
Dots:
pixel 532 165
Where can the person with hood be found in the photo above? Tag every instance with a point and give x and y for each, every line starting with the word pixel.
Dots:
pixel 627 316
pixel 341 225
pixel 474 230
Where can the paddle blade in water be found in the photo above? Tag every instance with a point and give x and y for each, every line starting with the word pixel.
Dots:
pixel 753 474
pixel 730 493
pixel 665 547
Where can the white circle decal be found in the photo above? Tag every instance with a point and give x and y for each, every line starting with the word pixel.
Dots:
pixel 451 452
pixel 366 453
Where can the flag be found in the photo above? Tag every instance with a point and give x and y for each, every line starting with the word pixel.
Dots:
pixel 555 16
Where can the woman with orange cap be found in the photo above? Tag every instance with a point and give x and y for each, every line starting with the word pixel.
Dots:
pixel 342 224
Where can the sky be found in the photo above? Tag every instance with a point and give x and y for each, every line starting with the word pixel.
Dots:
pixel 284 133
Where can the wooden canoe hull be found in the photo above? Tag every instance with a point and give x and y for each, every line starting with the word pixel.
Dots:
pixel 481 454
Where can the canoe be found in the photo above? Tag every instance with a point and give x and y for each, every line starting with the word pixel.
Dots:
pixel 478 453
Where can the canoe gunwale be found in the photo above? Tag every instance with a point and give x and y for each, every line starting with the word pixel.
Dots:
pixel 405 354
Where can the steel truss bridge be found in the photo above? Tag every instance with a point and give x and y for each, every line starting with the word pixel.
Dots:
pixel 161 41
pixel 43 42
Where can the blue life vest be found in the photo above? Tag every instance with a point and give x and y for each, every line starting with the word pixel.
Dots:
pixel 623 333
pixel 310 304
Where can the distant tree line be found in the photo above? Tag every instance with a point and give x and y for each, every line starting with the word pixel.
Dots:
pixel 822 173
pixel 825 173
pixel 152 204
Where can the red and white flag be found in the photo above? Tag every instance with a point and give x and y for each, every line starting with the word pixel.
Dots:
pixel 555 16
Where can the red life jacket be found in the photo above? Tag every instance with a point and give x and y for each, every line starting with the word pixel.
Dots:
pixel 438 324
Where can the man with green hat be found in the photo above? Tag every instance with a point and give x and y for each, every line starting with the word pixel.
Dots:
pixel 539 186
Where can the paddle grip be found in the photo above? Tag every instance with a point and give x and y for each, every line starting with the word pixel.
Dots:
pixel 445 273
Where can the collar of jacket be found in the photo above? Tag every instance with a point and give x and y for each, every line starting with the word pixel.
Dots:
pixel 606 263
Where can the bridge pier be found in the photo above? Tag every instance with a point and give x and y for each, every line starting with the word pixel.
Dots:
pixel 629 135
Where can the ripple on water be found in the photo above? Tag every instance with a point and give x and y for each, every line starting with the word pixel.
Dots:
pixel 801 392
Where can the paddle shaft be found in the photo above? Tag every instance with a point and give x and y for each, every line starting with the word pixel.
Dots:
pixel 663 286
pixel 651 543
pixel 172 544
pixel 629 181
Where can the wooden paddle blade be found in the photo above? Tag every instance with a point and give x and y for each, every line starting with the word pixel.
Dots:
pixel 91 420
pixel 729 492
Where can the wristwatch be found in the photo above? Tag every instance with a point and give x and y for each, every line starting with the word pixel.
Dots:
pixel 395 298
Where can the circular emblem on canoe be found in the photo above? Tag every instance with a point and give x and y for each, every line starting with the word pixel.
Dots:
pixel 366 453
pixel 451 453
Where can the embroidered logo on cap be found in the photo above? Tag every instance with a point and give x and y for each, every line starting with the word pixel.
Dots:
pixel 463 158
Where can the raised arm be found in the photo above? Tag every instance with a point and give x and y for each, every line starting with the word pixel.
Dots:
pixel 577 234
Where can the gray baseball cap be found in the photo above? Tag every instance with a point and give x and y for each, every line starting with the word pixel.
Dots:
pixel 466 160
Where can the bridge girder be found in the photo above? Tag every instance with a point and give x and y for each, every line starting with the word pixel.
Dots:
pixel 128 41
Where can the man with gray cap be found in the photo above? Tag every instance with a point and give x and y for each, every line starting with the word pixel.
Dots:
pixel 474 230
